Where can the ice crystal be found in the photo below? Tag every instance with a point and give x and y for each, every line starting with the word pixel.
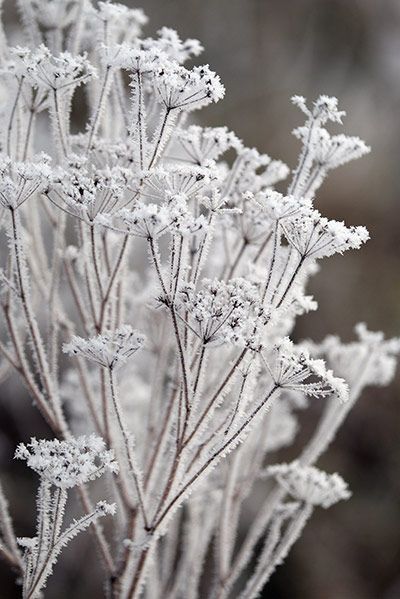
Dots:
pixel 84 193
pixel 324 109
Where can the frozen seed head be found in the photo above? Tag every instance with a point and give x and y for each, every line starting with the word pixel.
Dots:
pixel 310 484
pixel 324 109
pixel 19 181
pixel 145 220
pixel 181 220
pixel 115 11
pixel 224 312
pixel 135 59
pixel 179 180
pixel 294 369
pixel 314 236
pixel 279 207
pixel 202 144
pixel 150 221
pixel 83 191
pixel 382 354
pixel 111 349
pixel 67 464
pixel 50 72
pixel 182 89
pixel 331 151
pixel 255 172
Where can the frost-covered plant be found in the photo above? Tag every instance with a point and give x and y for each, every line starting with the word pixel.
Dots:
pixel 172 277
pixel 61 465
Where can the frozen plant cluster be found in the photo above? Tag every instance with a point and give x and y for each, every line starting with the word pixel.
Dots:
pixel 151 276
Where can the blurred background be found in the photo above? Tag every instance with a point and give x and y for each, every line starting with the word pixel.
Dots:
pixel 265 51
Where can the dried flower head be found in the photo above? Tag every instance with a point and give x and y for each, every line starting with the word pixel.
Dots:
pixel 150 221
pixel 223 312
pixel 22 180
pixel 47 71
pixel 188 181
pixel 182 89
pixel 110 349
pixel 314 236
pixel 309 484
pixel 293 369
pixel 202 144
pixel 85 192
pixel 137 197
pixel 325 108
pixel 122 24
pixel 332 151
pixel 67 464
pixel 170 44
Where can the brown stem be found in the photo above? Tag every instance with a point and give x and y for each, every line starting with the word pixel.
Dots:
pixel 213 457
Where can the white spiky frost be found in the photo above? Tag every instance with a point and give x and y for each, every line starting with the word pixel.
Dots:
pixel 20 181
pixel 67 464
pixel 293 368
pixel 316 237
pixel 143 217
pixel 223 312
pixel 324 109
pixel 47 71
pixel 310 484
pixel 110 349
pixel 186 90
pixel 202 144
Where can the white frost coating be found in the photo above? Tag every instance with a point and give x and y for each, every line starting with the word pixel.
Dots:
pixel 310 485
pixel 139 230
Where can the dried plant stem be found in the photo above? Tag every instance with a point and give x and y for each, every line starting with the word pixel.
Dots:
pixel 213 457
pixel 112 280
pixel 37 343
pixel 95 123
pixel 267 564
pixel 128 445
pixel 12 115
pixel 61 139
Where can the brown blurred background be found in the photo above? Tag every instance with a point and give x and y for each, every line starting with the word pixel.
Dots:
pixel 265 51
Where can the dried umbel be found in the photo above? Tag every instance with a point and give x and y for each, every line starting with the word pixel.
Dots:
pixel 111 349
pixel 66 464
pixel 223 312
pixel 294 369
pixel 151 276
pixel 310 485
